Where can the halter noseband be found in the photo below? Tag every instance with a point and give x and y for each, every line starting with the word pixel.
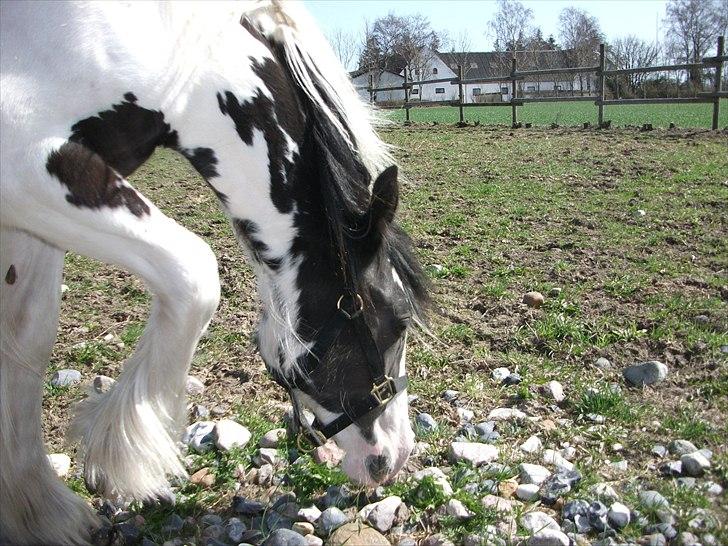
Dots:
pixel 349 311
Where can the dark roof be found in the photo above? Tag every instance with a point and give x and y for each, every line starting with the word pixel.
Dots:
pixel 361 71
pixel 489 64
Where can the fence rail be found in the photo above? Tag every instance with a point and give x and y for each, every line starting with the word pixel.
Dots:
pixel 600 100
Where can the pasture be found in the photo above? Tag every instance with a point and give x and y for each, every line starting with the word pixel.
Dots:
pixel 625 234
pixel 575 114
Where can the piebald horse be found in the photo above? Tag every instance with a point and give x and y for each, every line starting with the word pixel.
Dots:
pixel 254 98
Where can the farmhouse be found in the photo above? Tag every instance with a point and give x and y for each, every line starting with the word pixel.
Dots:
pixel 475 65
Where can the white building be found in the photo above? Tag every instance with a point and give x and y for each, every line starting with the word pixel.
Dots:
pixel 381 78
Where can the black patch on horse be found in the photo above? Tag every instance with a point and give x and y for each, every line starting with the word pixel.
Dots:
pixel 11 275
pixel 247 230
pixel 91 182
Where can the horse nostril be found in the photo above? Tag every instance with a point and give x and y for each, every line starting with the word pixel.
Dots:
pixel 379 467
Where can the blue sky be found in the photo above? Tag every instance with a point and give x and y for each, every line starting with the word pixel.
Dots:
pixel 617 17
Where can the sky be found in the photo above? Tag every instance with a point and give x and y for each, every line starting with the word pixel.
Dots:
pixel 618 18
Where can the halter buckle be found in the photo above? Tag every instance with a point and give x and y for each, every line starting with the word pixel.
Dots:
pixel 304 440
pixel 358 302
pixel 383 392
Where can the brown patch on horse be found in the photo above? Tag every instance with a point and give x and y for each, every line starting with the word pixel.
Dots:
pixel 11 275
pixel 91 182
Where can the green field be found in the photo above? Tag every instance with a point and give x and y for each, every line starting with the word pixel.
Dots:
pixel 625 234
pixel 575 113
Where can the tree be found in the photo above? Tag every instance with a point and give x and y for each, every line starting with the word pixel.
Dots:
pixel 460 51
pixel 580 36
pixel 510 25
pixel 631 52
pixel 346 47
pixel 693 27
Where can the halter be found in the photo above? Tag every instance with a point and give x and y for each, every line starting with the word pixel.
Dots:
pixel 349 312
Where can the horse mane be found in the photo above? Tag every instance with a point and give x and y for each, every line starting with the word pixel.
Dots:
pixel 347 149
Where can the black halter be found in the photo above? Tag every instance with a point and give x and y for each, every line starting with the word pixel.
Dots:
pixel 349 313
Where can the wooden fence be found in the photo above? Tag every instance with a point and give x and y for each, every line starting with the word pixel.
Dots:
pixel 599 100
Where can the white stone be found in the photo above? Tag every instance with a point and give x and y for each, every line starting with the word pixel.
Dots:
pixel 200 435
pixel 380 515
pixel 653 499
pixel 458 510
pixel 273 438
pixel 533 473
pixel 64 288
pixel 694 464
pixel 465 415
pixel 302 528
pixel 645 373
pixel 534 522
pixel 554 390
pixel 310 514
pixel 619 515
pixel 329 454
pixel 266 455
pixel 568 452
pixel 61 464
pixel 194 385
pixel 499 504
pixel 527 492
pixel 532 445
pixel 65 378
pixel 549 537
pixel 506 414
pixel 229 434
pixel 102 384
pixel 604 492
pixel 473 452
pixel 438 477
pixel 619 466
pixel 499 374
pixel 551 456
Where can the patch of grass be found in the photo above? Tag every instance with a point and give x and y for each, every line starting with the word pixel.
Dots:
pixel 132 333
pixel 607 401
pixel 308 479
pixel 687 425
pixel 91 353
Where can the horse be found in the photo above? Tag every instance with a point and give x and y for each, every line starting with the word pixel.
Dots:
pixel 253 96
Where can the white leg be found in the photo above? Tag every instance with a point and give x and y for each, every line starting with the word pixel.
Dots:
pixel 29 302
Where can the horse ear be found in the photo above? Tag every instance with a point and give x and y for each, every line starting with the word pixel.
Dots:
pixel 385 196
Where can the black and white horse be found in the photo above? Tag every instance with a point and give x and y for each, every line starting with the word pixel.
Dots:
pixel 254 98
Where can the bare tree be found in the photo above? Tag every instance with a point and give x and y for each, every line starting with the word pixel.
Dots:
pixel 580 36
pixel 510 26
pixel 346 46
pixel 460 51
pixel 631 52
pixel 692 29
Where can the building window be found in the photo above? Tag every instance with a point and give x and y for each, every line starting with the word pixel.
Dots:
pixel 439 90
pixel 434 70
pixel 415 92
pixel 476 91
pixel 504 90
pixel 531 88
pixel 473 65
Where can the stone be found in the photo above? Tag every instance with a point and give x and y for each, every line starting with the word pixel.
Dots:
pixel 603 492
pixel 285 537
pixel 558 485
pixel 303 528
pixel 313 540
pixel 645 373
pixel 474 453
pixel 498 504
pixel 619 515
pixel 506 414
pixel 658 450
pixel 266 455
pixel 551 456
pixel 125 533
pixel 534 522
pixel 670 469
pixel 687 539
pixel 229 434
pixel 102 384
pixel 331 519
pixel 527 492
pixel 575 508
pixel 436 540
pixel 499 374
pixel 450 395
pixel 713 489
pixel 61 464
pixel 655 539
pixel 555 292
pixel 381 515
pixel 356 534
pixel 200 436
pixel 203 477
pixel 65 378
pixel 619 466
pixel 456 509
pixel 465 415
pixel 425 422
pixel 273 438
pixel 581 522
pixel 194 386
pixel 603 363
pixel 338 495
pixel 596 418
pixel 533 473
pixel 686 482
pixel 311 514
pixel 532 445
pixel 681 447
pixel 597 516
pixel 554 390
pixel 265 475
pixel 200 412
pixel 507 488
pixel 653 499
pixel 533 299
pixel 173 524
pixel 694 464
pixel 437 475
pixel 512 379
pixel 245 507
pixel 549 537
pixel 210 519
pixel 329 454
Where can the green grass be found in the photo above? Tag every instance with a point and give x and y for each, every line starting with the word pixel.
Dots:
pixel 575 113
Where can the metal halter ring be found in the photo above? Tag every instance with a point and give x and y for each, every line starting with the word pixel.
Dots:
pixel 384 391
pixel 360 306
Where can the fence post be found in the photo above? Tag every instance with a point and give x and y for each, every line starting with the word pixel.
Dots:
pixel 600 83
pixel 371 89
pixel 460 93
pixel 718 77
pixel 514 117
pixel 406 98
